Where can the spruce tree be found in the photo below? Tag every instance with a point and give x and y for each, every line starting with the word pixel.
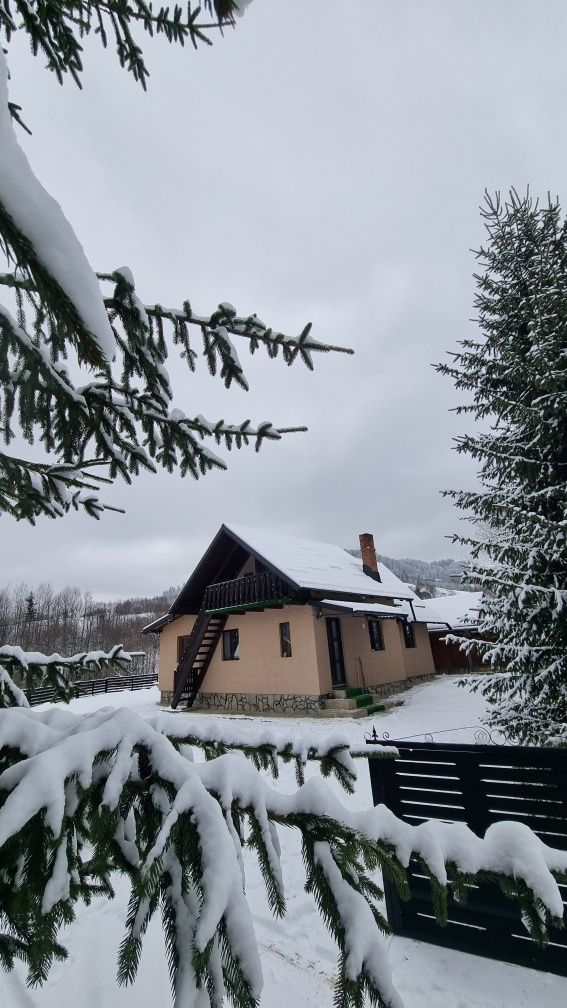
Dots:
pixel 31 611
pixel 515 377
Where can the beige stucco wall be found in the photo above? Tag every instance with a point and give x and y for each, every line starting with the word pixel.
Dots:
pixel 377 666
pixel 260 668
pixel 419 660
pixel 168 648
pixel 394 664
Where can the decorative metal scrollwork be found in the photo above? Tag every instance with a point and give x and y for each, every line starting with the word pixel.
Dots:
pixel 482 735
pixel 485 736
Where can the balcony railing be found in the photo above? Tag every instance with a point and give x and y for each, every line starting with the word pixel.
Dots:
pixel 251 592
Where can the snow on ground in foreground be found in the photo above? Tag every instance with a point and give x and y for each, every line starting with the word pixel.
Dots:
pixel 298 956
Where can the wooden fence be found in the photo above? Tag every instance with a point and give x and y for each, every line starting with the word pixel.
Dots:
pixel 90 687
pixel 478 785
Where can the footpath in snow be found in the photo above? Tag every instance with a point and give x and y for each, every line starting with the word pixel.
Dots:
pixel 298 956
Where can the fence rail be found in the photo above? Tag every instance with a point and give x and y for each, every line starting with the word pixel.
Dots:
pixel 478 785
pixel 90 687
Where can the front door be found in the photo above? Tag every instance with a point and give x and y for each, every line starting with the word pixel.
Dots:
pixel 336 651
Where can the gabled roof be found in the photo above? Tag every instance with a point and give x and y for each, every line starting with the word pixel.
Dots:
pixel 317 566
pixel 304 564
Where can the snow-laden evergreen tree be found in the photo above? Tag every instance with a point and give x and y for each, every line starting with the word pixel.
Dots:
pixel 515 377
pixel 171 801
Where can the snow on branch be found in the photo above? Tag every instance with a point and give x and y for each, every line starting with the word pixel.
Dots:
pixel 37 235
pixel 33 669
pixel 82 797
pixel 118 426
pixel 122 420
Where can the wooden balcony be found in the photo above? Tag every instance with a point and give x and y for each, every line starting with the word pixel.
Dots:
pixel 255 591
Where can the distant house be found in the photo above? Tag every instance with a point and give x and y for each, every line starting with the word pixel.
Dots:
pixel 459 614
pixel 272 622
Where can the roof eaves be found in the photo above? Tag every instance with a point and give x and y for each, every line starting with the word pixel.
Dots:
pixel 159 623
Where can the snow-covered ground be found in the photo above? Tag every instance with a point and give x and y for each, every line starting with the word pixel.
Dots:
pixel 298 955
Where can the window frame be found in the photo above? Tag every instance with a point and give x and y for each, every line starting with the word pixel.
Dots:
pixel 181 645
pixel 408 634
pixel 286 650
pixel 375 634
pixel 231 645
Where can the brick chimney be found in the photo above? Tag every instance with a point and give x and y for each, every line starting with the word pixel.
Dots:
pixel 368 554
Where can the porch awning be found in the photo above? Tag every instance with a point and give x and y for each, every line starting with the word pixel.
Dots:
pixel 400 610
pixel 363 609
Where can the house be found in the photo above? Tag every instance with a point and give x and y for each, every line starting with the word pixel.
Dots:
pixel 459 614
pixel 271 622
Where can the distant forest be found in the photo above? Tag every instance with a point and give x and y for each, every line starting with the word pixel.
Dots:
pixel 71 620
pixel 426 575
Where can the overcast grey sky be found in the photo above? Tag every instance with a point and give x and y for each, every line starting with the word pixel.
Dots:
pixel 323 162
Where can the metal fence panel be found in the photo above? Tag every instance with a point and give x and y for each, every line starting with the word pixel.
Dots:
pixel 478 785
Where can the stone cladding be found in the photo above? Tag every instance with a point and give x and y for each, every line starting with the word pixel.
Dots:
pixel 292 704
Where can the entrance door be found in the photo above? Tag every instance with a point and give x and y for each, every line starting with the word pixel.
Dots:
pixel 335 651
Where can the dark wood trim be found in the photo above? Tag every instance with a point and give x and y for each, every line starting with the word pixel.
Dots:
pixel 336 654
pixel 251 591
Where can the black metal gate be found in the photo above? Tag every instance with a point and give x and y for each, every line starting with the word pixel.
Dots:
pixel 478 785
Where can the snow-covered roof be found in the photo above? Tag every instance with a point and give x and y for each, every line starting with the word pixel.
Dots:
pixel 459 610
pixel 318 566
pixel 158 624
pixel 423 614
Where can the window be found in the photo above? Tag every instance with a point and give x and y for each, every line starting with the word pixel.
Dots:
pixel 230 645
pixel 409 636
pixel 285 640
pixel 181 645
pixel 375 633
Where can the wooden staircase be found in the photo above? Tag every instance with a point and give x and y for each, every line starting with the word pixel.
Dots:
pixel 197 655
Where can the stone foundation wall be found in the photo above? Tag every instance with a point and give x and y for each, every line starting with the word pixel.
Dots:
pixel 291 704
pixel 384 689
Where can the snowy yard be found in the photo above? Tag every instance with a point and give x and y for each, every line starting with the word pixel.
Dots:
pixel 298 956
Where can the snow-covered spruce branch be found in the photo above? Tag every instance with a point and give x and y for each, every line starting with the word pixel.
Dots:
pixel 122 419
pixel 216 327
pixel 30 489
pixel 29 670
pixel 83 797
pixel 125 424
